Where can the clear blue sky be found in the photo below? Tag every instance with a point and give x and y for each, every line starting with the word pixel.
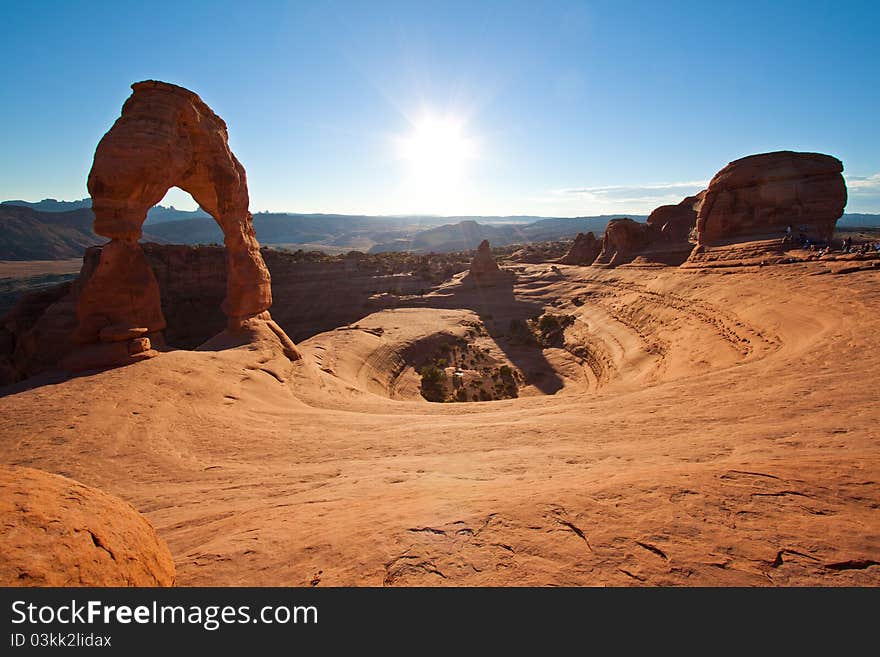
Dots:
pixel 568 108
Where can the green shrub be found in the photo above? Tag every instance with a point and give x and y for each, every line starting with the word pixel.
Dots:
pixel 548 324
pixel 433 386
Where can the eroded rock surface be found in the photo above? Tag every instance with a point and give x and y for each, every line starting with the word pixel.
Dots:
pixel 758 196
pixel 59 532
pixel 676 222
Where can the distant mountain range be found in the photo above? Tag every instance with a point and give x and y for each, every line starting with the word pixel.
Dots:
pixel 52 229
pixel 27 234
pixel 859 220
pixel 155 215
pixel 468 233
pixel 52 205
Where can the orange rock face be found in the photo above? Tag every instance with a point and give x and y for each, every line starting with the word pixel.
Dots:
pixel 583 251
pixel 58 532
pixel 37 332
pixel 758 196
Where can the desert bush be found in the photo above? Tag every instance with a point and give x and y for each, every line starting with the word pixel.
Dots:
pixel 550 328
pixel 433 386
pixel 548 323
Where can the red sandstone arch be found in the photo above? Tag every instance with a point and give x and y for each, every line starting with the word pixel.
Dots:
pixel 168 137
pixel 165 137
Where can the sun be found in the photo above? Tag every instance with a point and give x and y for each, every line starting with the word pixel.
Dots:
pixel 437 152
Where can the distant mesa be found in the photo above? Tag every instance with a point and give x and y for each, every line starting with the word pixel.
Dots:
pixel 156 215
pixel 166 136
pixel 59 532
pixel 758 197
pixel 38 235
pixel 466 234
pixel 584 250
pixel 52 205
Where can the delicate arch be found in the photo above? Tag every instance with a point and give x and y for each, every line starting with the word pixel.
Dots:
pixel 168 137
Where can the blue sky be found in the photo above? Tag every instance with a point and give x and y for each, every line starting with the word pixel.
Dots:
pixel 567 108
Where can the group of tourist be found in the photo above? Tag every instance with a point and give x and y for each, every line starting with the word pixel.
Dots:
pixel 864 248
pixel 824 248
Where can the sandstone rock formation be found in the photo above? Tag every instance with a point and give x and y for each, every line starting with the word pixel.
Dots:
pixel 58 532
pixel 674 223
pixel 756 197
pixel 166 136
pixel 483 265
pixel 623 239
pixel 663 240
pixel 583 251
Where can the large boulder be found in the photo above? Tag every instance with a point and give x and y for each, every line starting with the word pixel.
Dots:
pixel 59 532
pixel 583 251
pixel 757 197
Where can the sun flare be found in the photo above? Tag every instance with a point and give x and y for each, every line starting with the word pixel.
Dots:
pixel 437 152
